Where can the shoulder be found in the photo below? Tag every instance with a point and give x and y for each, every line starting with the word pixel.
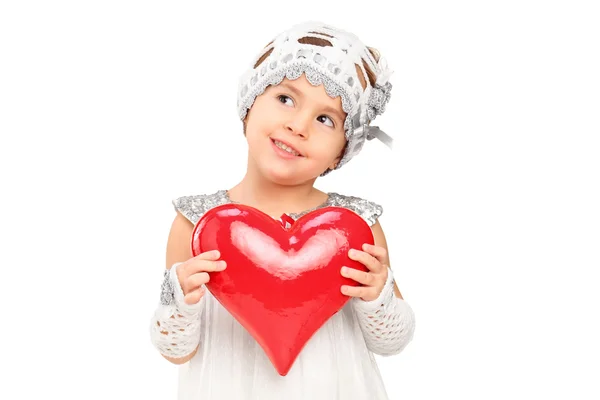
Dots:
pixel 369 210
pixel 192 207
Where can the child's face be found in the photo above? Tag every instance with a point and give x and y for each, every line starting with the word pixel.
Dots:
pixel 305 118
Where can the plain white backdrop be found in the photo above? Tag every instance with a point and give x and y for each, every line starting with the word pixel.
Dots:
pixel 109 110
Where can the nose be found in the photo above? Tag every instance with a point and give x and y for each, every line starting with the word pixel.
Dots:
pixel 298 124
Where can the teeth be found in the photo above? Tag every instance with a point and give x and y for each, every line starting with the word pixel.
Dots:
pixel 286 148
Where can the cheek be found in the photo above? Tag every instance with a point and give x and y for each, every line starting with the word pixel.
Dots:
pixel 254 139
pixel 262 127
pixel 331 148
pixel 338 142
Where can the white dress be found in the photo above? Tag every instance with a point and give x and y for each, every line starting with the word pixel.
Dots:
pixel 334 364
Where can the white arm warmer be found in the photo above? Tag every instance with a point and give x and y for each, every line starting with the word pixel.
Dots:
pixel 175 326
pixel 387 323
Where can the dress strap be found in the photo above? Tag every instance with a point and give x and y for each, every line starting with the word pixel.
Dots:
pixel 193 207
pixel 368 210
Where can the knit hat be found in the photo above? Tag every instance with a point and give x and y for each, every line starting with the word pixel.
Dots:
pixel 340 62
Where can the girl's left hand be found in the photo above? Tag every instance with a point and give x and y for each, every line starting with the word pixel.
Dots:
pixel 375 258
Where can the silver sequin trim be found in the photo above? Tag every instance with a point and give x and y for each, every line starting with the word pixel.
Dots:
pixel 167 292
pixel 368 210
pixel 193 207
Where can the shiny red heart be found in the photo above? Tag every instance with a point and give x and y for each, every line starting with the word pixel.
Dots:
pixel 282 280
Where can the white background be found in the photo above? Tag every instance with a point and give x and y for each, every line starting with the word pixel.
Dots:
pixel 109 110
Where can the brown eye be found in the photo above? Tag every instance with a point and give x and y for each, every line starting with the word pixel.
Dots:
pixel 282 98
pixel 326 118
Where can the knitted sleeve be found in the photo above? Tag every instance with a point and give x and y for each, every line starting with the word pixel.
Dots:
pixel 387 323
pixel 175 325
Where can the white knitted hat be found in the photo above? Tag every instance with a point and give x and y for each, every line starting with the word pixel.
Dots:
pixel 340 65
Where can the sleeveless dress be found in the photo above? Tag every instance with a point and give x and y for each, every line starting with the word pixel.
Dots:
pixel 334 364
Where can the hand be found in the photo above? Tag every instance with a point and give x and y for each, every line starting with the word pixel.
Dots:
pixel 375 258
pixel 193 273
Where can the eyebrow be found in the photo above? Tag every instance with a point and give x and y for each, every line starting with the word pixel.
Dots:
pixel 300 94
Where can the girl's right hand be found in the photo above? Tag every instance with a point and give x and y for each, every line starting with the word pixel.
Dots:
pixel 193 274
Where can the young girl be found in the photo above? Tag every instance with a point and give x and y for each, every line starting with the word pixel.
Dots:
pixel 306 104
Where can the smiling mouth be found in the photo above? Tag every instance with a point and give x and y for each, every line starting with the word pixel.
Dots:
pixel 286 148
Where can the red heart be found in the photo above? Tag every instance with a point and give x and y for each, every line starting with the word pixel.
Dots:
pixel 281 283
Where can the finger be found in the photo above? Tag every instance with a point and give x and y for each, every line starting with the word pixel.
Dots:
pixel 378 252
pixel 207 266
pixel 195 281
pixel 366 259
pixel 208 255
pixel 359 276
pixel 356 291
pixel 194 296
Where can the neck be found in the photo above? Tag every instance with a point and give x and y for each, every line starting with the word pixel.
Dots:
pixel 273 198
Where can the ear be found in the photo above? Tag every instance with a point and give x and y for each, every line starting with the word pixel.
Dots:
pixel 337 160
pixel 335 163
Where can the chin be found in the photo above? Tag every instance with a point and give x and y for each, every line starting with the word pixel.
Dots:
pixel 287 177
pixel 282 177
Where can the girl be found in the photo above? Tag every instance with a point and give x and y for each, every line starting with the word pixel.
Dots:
pixel 306 104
